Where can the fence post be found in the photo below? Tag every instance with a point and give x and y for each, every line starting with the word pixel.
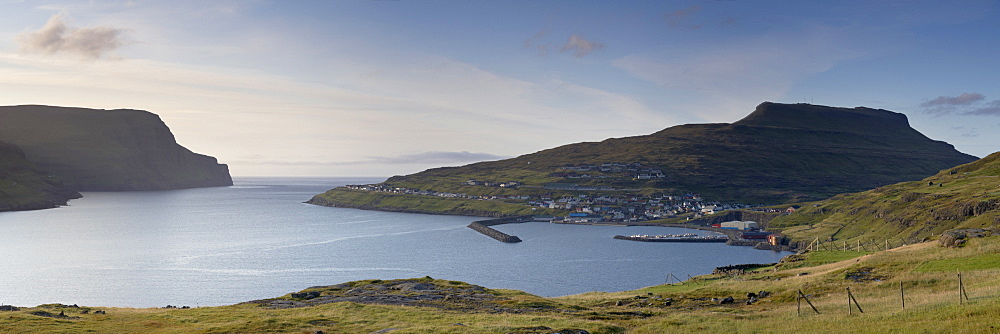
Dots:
pixel 803 296
pixel 678 279
pixel 850 310
pixel 850 297
pixel 902 299
pixel 961 290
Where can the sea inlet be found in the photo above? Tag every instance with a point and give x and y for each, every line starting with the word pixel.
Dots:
pixel 256 239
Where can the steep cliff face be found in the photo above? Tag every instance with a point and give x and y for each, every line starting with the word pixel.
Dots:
pixel 860 120
pixel 24 187
pixel 107 150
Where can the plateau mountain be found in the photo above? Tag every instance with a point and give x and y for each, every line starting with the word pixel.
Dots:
pixel 779 153
pixel 107 150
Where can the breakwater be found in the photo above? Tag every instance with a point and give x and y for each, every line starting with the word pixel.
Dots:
pixel 483 226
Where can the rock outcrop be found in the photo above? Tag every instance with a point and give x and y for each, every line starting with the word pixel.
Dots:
pixel 107 150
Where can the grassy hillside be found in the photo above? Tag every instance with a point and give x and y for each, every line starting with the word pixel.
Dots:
pixel 24 187
pixel 107 150
pixel 779 153
pixel 926 272
pixel 424 204
pixel 966 196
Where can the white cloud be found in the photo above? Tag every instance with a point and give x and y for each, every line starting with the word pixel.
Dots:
pixel 435 158
pixel 678 17
pixel 991 109
pixel 961 100
pixel 431 105
pixel 580 46
pixel 972 104
pixel 55 37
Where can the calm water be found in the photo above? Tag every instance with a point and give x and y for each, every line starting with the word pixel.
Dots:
pixel 218 246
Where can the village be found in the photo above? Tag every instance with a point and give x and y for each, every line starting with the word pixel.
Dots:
pixel 589 204
pixel 586 207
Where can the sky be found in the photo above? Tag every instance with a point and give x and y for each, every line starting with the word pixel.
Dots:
pixel 381 88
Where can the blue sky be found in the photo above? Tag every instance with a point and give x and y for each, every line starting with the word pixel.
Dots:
pixel 378 88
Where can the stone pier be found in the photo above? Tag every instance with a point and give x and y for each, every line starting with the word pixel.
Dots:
pixel 483 226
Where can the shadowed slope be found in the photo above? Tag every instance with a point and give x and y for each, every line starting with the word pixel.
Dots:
pixel 108 150
pixel 24 187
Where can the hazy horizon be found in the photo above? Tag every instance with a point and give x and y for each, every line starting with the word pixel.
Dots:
pixel 348 89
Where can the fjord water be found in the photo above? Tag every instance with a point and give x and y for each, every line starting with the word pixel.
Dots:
pixel 256 239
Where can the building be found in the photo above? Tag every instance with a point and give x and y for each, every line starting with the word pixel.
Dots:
pixel 739 225
pixel 754 235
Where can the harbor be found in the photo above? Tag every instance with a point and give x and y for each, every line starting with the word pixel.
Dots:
pixel 687 237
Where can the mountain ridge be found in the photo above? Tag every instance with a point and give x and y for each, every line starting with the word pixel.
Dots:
pixel 778 153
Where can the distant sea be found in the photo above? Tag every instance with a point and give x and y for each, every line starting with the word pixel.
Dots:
pixel 256 239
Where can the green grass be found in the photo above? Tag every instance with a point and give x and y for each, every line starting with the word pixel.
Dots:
pixel 426 204
pixel 989 261
pixel 965 196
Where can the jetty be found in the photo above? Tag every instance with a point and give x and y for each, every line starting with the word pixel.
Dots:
pixel 483 226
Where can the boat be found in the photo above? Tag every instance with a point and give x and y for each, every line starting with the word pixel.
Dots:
pixel 688 237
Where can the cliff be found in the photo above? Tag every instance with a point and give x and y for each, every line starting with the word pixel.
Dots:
pixel 24 187
pixel 107 150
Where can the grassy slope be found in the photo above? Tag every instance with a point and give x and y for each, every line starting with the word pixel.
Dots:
pixel 931 304
pixel 959 197
pixel 423 204
pixel 779 153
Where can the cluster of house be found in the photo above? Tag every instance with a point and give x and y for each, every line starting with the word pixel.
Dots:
pixel 508 184
pixel 589 171
pixel 790 209
pixel 631 208
pixel 407 191
pixel 589 207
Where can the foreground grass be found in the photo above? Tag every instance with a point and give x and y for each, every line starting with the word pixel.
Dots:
pixel 926 272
